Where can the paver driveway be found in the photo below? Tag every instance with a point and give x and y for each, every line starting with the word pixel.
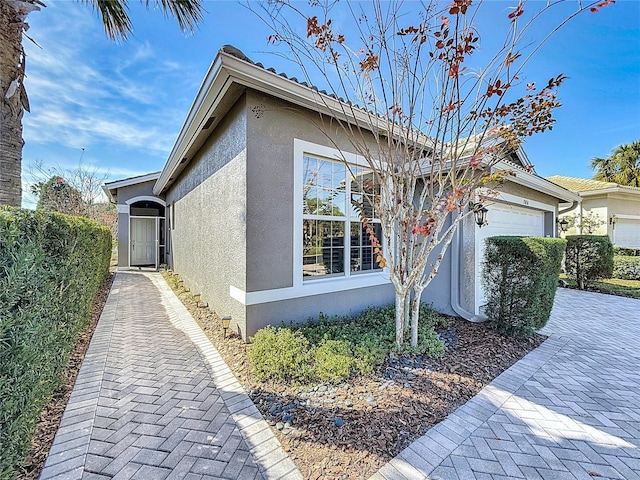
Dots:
pixel 154 400
pixel 569 410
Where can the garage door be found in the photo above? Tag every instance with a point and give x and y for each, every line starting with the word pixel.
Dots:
pixel 626 233
pixel 505 220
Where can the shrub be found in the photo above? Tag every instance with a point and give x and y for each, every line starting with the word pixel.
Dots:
pixel 632 252
pixel 588 258
pixel 626 267
pixel 333 349
pixel 520 277
pixel 333 360
pixel 280 354
pixel 51 266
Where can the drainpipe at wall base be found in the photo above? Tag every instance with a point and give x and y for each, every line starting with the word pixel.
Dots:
pixel 455 282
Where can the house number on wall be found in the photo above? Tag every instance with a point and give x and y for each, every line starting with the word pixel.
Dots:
pixel 525 202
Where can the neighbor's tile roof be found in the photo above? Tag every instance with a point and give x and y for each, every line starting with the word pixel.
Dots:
pixel 585 184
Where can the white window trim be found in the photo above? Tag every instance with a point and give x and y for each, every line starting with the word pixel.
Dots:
pixel 300 149
pixel 317 286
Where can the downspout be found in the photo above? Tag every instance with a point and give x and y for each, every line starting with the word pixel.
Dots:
pixel 568 209
pixel 455 281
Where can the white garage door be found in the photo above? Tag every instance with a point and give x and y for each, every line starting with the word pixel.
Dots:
pixel 505 220
pixel 626 233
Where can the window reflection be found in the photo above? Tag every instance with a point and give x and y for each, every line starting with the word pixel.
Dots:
pixel 323 247
pixel 337 199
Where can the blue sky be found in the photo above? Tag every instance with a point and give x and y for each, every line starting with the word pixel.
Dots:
pixel 125 103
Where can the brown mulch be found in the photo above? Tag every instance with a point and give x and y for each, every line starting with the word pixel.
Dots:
pixel 379 415
pixel 52 413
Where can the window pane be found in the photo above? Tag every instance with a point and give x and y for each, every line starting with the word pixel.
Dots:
pixel 362 256
pixel 324 187
pixel 323 247
pixel 364 190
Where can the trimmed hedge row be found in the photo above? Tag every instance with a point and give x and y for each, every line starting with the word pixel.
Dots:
pixel 520 277
pixel 589 258
pixel 51 266
pixel 626 267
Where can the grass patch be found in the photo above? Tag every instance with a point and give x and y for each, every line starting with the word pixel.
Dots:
pixel 611 286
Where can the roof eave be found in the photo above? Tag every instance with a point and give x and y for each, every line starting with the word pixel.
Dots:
pixel 227 69
pixel 591 193
pixel 538 183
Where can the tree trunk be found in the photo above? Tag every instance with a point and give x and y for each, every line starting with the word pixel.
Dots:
pixel 13 99
pixel 415 315
pixel 401 303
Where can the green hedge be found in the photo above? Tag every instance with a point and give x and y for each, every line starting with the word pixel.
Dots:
pixel 520 277
pixel 588 258
pixel 626 267
pixel 51 266
pixel 622 251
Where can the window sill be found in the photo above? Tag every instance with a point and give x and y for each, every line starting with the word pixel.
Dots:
pixel 318 286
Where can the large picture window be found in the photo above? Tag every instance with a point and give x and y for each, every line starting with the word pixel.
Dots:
pixel 339 219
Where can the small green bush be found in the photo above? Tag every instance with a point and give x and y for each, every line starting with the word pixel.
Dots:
pixel 280 354
pixel 333 349
pixel 626 267
pixel 588 258
pixel 51 266
pixel 520 277
pixel 333 360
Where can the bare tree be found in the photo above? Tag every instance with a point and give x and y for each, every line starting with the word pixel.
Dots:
pixel 440 124
pixel 73 191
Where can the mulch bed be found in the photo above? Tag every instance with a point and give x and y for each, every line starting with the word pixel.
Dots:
pixel 52 413
pixel 350 430
pixel 344 431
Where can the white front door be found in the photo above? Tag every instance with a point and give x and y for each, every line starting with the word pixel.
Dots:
pixel 143 241
pixel 504 220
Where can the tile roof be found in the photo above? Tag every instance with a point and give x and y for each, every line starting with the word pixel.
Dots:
pixel 586 184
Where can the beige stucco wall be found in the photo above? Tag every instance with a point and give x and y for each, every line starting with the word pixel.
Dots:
pixel 605 206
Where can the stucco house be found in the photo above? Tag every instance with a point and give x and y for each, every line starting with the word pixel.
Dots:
pixel 616 206
pixel 227 210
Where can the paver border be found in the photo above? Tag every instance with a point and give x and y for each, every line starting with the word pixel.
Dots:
pixel 271 459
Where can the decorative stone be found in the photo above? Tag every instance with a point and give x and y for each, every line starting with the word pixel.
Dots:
pixel 338 422
pixel 279 425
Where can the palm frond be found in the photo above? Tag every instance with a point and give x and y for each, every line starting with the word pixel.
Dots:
pixel 115 17
pixel 117 23
pixel 188 13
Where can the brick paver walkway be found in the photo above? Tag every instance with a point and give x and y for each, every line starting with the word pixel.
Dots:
pixel 569 410
pixel 154 400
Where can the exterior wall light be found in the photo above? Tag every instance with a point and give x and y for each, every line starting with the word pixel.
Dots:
pixel 563 224
pixel 479 213
pixel 226 322
pixel 196 298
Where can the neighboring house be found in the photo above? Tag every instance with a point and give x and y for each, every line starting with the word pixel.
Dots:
pixel 252 202
pixel 616 206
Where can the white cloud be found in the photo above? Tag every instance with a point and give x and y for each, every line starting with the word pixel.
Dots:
pixel 85 90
